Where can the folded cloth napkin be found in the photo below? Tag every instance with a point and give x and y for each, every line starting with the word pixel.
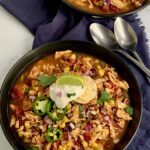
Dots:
pixel 52 22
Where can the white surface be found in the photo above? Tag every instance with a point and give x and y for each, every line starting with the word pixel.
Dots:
pixel 16 40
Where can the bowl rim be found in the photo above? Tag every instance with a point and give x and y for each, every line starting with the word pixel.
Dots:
pixel 40 49
pixel 147 3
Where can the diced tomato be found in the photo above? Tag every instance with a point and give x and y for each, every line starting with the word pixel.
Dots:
pixel 113 85
pixel 93 1
pixel 78 143
pixel 105 8
pixel 113 8
pixel 18 111
pixel 28 82
pixel 87 136
pixel 17 92
pixel 65 135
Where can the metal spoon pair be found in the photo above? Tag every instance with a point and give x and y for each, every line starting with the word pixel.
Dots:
pixel 125 36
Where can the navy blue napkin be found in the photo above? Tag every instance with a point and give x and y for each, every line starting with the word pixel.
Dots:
pixel 54 21
pixel 32 13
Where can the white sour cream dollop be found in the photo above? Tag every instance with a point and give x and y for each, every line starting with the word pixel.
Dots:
pixel 63 94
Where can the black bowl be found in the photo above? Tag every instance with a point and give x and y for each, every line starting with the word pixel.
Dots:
pixel 104 14
pixel 78 46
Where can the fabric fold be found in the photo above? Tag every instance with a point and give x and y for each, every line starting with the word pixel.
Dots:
pixel 32 13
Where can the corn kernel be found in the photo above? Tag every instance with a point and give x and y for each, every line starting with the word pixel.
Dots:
pixel 22 78
pixel 21 128
pixel 101 72
pixel 62 125
pixel 35 83
pixel 27 124
pixel 68 106
pixel 96 61
pixel 98 67
pixel 65 119
pixel 69 144
pixel 17 124
pixel 112 103
pixel 27 134
pixel 65 147
pixel 85 144
pixel 12 121
pixel 60 147
pixel 94 133
pixel 94 145
pixel 39 94
pixel 66 69
pixel 48 146
pixel 20 133
pixel 32 92
pixel 36 88
pixel 88 58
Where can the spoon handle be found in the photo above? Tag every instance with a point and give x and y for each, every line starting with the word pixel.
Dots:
pixel 140 60
pixel 143 68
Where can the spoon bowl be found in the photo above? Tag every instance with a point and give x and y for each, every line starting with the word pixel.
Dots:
pixel 103 36
pixel 125 35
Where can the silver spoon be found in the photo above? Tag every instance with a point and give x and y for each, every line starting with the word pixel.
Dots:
pixel 127 38
pixel 105 37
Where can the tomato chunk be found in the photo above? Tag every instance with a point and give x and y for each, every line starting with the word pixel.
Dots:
pixel 18 91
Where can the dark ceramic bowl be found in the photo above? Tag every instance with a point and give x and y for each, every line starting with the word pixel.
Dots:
pixel 104 14
pixel 77 46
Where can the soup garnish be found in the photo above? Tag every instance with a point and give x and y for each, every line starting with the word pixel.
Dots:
pixel 69 101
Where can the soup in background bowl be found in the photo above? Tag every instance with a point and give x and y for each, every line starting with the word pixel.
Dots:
pixel 69 96
pixel 107 8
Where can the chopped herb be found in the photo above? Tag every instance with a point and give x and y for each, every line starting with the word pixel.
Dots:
pixel 26 91
pixel 81 115
pixel 70 94
pixel 81 108
pixel 96 148
pixel 104 97
pixel 129 110
pixel 46 80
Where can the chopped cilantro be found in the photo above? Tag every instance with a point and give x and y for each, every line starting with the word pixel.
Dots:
pixel 129 110
pixel 70 94
pixel 81 115
pixel 104 97
pixel 46 80
pixel 81 108
pixel 26 91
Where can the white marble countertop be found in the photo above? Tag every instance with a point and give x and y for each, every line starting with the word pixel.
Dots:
pixel 16 40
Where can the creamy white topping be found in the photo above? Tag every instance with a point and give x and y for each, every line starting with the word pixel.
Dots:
pixel 62 95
